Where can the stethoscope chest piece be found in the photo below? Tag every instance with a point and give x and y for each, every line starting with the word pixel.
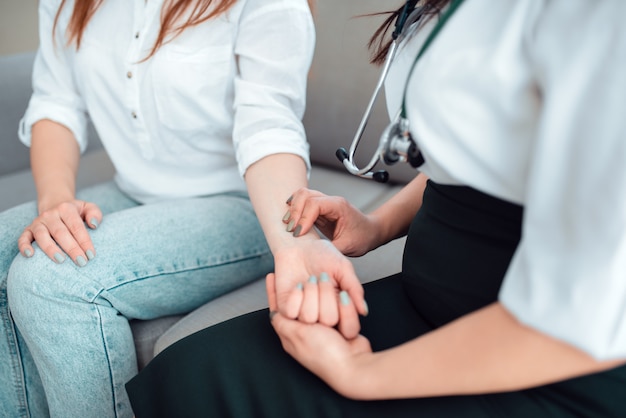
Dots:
pixel 397 144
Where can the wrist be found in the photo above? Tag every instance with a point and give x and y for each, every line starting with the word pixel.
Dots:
pixel 357 379
pixel 379 231
pixel 283 241
pixel 47 202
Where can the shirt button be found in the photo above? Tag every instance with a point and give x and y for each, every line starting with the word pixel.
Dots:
pixel 137 35
pixel 129 74
pixel 134 115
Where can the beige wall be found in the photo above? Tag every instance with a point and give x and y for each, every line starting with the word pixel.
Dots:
pixel 18 26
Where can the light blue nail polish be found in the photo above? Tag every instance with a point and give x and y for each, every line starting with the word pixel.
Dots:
pixel 299 286
pixel 313 279
pixel 287 216
pixel 367 308
pixel 58 257
pixel 324 277
pixel 80 260
pixel 296 232
pixel 28 252
pixel 90 254
pixel 94 222
pixel 344 297
pixel 291 225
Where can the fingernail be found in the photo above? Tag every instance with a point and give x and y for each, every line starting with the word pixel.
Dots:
pixel 344 297
pixel 272 315
pixel 367 308
pixel 313 279
pixel 94 222
pixel 80 260
pixel 58 257
pixel 287 216
pixel 290 226
pixel 90 254
pixel 296 232
pixel 28 252
pixel 299 286
pixel 289 200
pixel 324 277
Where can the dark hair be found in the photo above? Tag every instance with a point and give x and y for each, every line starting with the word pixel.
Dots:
pixel 380 42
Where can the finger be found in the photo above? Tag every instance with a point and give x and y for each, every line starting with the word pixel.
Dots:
pixel 305 218
pixel 41 234
pixel 357 295
pixel 299 195
pixel 297 204
pixel 81 236
pixel 73 238
pixel 293 302
pixel 309 309
pixel 328 310
pixel 349 325
pixel 24 243
pixel 92 215
pixel 270 288
pixel 351 284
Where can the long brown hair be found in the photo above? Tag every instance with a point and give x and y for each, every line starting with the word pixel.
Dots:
pixel 379 43
pixel 170 15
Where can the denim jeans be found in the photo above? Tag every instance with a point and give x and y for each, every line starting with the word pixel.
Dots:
pixel 74 350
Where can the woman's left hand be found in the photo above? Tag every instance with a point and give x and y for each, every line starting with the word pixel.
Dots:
pixel 320 348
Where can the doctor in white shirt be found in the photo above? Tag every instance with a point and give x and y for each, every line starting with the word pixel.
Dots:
pixel 199 106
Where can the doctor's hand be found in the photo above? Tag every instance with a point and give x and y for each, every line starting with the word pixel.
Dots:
pixel 321 349
pixel 311 280
pixel 61 230
pixel 351 231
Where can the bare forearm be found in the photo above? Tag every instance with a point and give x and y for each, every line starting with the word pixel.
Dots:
pixel 54 156
pixel 484 352
pixel 270 182
pixel 395 215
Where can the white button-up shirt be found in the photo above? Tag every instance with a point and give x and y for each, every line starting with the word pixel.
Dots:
pixel 526 100
pixel 192 118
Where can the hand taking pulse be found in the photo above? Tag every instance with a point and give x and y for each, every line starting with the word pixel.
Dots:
pixel 61 230
pixel 350 230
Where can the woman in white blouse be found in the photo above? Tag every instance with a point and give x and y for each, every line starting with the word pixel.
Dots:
pixel 512 298
pixel 198 104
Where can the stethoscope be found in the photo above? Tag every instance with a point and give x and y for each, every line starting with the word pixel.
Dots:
pixel 396 143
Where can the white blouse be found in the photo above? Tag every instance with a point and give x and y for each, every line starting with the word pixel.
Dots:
pixel 525 100
pixel 191 119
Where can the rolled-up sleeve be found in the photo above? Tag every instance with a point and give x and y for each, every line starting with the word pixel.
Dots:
pixel 55 96
pixel 274 49
pixel 568 276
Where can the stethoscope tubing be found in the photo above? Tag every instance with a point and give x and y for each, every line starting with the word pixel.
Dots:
pixel 349 161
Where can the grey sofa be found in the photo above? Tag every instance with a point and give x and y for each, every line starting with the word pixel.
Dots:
pixel 341 81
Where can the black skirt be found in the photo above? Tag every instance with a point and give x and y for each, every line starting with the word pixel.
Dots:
pixel 457 251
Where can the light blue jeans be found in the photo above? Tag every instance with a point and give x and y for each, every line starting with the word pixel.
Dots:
pixel 74 349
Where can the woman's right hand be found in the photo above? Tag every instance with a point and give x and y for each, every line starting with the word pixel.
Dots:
pixel 61 230
pixel 351 231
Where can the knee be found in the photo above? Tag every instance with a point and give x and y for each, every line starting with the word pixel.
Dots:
pixel 32 284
